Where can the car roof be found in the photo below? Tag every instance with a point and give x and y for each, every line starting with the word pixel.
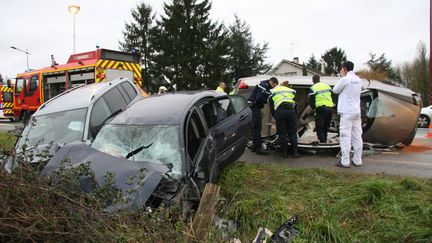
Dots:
pixel 164 109
pixel 76 98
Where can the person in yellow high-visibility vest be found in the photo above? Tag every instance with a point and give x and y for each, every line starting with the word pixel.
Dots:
pixel 284 111
pixel 221 88
pixel 320 99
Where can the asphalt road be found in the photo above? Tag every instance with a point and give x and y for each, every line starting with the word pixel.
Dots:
pixel 413 160
pixel 7 125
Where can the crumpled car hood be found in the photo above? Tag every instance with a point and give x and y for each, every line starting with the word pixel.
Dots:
pixel 127 175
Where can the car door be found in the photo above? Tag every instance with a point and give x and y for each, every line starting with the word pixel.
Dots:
pixel 228 122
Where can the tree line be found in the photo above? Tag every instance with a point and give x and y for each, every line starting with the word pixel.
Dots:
pixel 411 74
pixel 184 48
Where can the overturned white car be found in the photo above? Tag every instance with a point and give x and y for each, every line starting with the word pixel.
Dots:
pixel 389 113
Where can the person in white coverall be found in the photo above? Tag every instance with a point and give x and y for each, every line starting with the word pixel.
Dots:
pixel 349 89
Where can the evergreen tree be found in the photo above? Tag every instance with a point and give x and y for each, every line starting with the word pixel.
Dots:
pixel 190 49
pixel 1 78
pixel 313 63
pixel 334 59
pixel 136 36
pixel 382 65
pixel 304 70
pixel 245 58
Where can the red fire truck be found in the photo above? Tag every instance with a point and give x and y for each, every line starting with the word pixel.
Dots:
pixel 38 86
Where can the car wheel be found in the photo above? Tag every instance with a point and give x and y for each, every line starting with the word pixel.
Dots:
pixel 423 121
pixel 410 138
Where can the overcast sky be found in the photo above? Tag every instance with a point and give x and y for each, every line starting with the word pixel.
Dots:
pixel 293 28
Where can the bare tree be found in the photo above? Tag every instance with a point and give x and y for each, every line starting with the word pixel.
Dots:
pixel 416 73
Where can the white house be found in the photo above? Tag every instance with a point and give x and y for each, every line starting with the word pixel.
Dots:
pixel 292 68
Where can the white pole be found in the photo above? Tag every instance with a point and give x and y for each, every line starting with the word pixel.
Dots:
pixel 73 33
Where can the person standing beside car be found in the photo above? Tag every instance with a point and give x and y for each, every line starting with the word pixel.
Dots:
pixel 221 88
pixel 283 109
pixel 320 99
pixel 349 89
pixel 257 99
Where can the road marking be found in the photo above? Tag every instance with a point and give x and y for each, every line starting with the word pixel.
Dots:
pixel 399 162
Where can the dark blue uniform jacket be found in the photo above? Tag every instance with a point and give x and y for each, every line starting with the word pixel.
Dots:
pixel 260 95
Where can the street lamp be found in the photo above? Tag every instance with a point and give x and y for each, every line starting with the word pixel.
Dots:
pixel 74 10
pixel 26 52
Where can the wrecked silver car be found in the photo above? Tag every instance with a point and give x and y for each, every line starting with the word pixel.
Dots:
pixel 75 115
pixel 389 113
pixel 181 140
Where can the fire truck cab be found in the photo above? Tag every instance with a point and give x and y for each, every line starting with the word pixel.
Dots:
pixel 34 88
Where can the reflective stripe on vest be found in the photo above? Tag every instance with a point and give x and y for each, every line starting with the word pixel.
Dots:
pixel 322 94
pixel 283 94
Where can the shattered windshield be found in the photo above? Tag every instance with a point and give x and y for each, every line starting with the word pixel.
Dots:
pixel 60 127
pixel 153 143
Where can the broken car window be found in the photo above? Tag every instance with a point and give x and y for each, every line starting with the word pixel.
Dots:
pixel 60 127
pixel 120 140
pixel 378 108
pixel 217 111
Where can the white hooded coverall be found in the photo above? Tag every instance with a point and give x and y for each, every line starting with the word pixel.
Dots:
pixel 349 90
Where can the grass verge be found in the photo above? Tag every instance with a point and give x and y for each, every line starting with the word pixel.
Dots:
pixel 7 141
pixel 332 206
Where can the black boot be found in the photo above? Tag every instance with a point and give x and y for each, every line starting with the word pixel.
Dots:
pixel 285 154
pixel 261 151
pixel 296 154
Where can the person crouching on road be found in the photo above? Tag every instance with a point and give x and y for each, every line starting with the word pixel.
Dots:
pixel 320 99
pixel 284 111
pixel 257 99
pixel 221 88
pixel 349 89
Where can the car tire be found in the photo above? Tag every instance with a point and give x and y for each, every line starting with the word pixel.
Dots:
pixel 410 138
pixel 423 121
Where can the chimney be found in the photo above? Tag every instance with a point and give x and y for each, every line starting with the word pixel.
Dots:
pixel 296 59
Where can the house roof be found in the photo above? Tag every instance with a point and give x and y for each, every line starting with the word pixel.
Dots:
pixel 297 65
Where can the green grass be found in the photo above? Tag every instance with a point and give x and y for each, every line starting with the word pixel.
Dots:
pixel 7 141
pixel 332 206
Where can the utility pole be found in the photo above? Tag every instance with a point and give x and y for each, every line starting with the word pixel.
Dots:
pixel 74 10
pixel 430 52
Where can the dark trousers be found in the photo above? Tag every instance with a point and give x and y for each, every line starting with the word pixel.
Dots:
pixel 322 122
pixel 256 128
pixel 286 123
